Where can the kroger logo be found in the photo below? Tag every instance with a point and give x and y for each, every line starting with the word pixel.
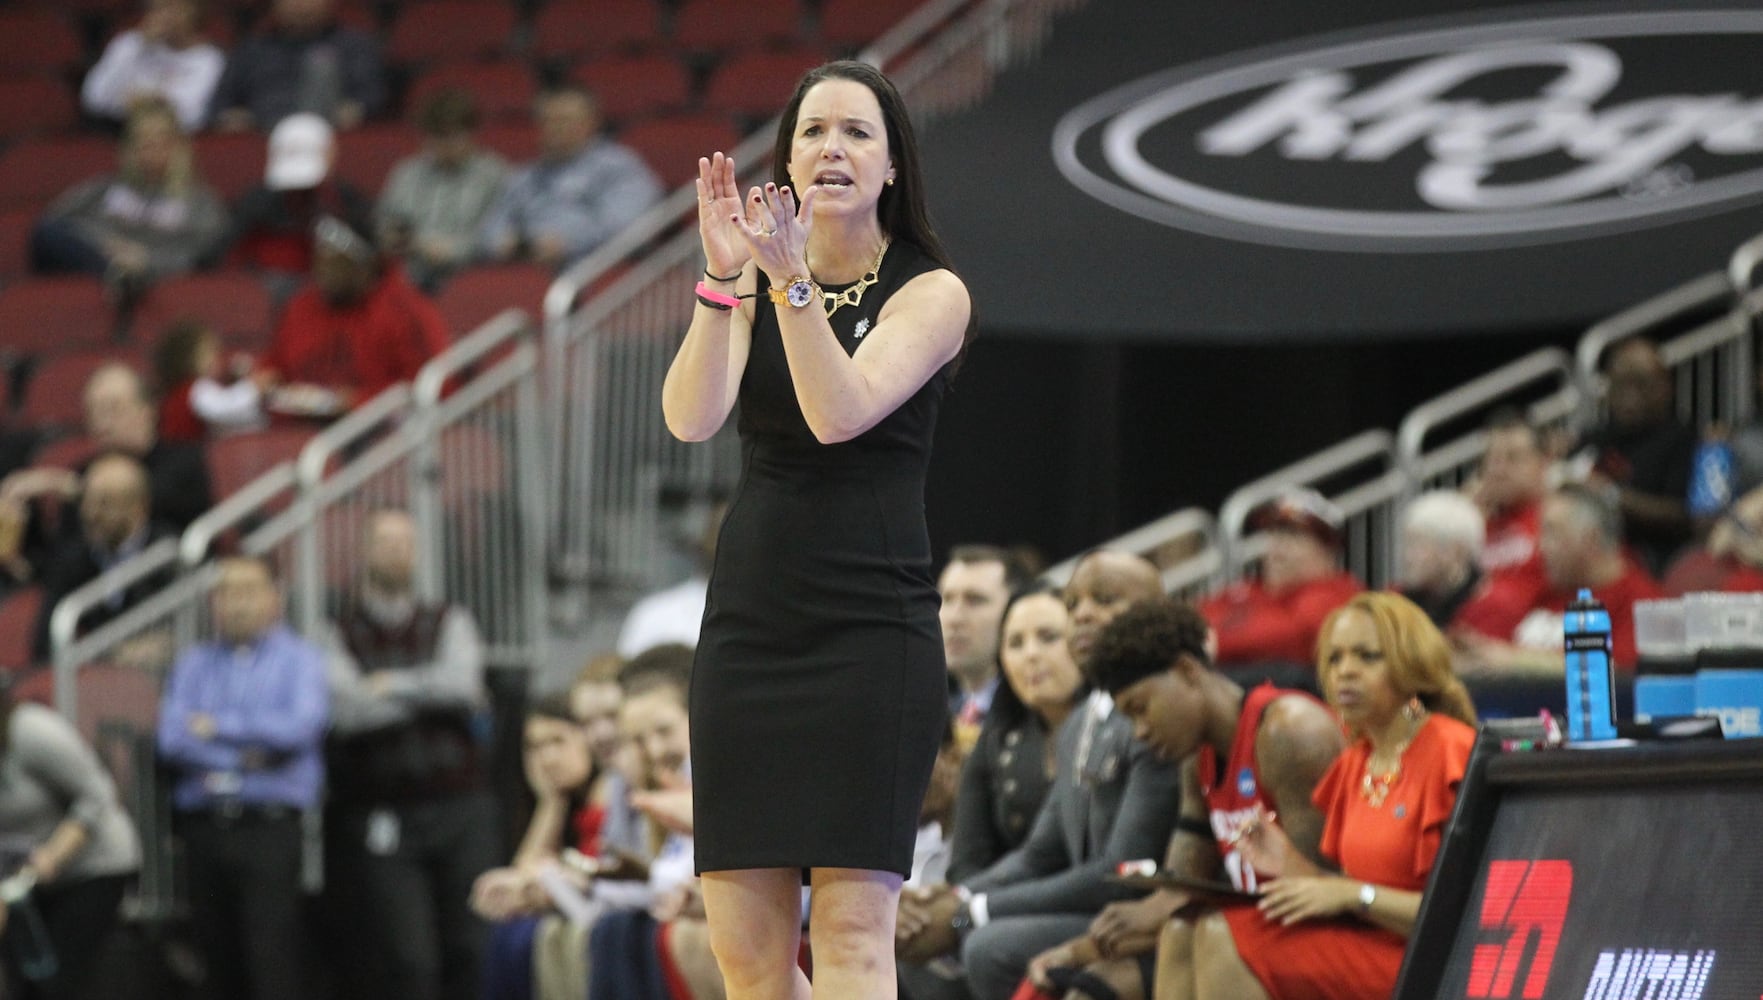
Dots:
pixel 1441 137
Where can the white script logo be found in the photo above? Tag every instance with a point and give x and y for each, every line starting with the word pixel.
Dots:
pixel 1417 136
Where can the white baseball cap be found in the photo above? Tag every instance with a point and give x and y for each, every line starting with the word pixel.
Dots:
pixel 299 152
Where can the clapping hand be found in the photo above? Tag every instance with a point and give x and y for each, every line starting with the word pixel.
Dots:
pixel 719 208
pixel 776 230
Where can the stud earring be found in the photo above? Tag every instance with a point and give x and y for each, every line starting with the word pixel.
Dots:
pixel 889 182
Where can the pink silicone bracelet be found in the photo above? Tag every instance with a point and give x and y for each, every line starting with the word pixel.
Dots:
pixel 709 294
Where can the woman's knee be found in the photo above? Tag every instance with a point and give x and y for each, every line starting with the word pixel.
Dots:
pixel 754 927
pixel 1220 970
pixel 852 922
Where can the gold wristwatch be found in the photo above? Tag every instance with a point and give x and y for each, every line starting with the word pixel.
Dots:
pixel 798 292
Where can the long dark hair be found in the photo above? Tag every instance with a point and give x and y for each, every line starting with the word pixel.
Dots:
pixel 1008 711
pixel 902 209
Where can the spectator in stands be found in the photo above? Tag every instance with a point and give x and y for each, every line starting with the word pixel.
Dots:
pixel 1111 800
pixel 1275 619
pixel 1510 631
pixel 434 202
pixel 1509 489
pixel 594 697
pixel 583 189
pixel 115 525
pixel 674 613
pixel 357 330
pixel 152 218
pixel 560 773
pixel 636 867
pixel 1642 454
pixel 1442 539
pixel 1385 801
pixel 272 230
pixel 1732 561
pixel 241 728
pixel 412 821
pixel 60 822
pixel 194 401
pixel 1010 769
pixel 302 61
pixel 119 418
pixel 166 57
pixel 975 586
pixel 1246 757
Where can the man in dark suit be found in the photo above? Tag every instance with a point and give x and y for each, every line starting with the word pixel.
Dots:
pixel 115 524
pixel 1112 800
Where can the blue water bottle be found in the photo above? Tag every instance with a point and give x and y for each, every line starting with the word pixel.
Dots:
pixel 1591 681
pixel 1711 477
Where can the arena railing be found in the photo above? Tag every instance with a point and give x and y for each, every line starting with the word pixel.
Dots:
pixel 1183 545
pixel 1701 328
pixel 618 474
pixel 1360 475
pixel 1451 464
pixel 461 453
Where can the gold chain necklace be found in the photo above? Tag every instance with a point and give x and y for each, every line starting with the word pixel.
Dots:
pixel 1374 785
pixel 854 295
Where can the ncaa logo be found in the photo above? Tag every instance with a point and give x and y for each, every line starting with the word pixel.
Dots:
pixel 1535 128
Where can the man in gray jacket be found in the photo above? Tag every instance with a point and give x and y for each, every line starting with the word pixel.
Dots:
pixel 1112 800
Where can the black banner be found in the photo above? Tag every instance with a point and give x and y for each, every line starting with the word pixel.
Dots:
pixel 1286 170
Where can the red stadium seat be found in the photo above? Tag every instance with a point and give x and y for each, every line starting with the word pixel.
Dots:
pixel 672 145
pixel 52 314
pixel 450 29
pixel 66 452
pixel 236 305
pixel 18 622
pixel 500 89
pixel 54 396
pixel 719 26
pixel 757 84
pixel 32 173
pixel 635 86
pixel 40 40
pixel 474 296
pixel 236 459
pixel 231 163
pixel 366 155
pixel 570 29
pixel 35 105
pixel 518 142
pixel 15 242
pixel 855 23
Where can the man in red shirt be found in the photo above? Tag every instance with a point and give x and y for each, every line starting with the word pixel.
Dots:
pixel 356 330
pixel 1513 480
pixel 1511 629
pixel 1274 620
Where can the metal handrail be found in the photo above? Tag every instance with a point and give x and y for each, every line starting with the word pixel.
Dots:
pixel 1549 362
pixel 1146 538
pixel 350 429
pixel 64 620
pixel 1697 293
pixel 247 500
pixel 1742 266
pixel 1360 448
pixel 1367 446
pixel 431 380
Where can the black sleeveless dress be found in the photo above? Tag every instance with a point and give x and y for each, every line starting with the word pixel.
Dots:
pixel 818 696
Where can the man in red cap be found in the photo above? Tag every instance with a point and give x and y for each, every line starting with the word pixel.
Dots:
pixel 1274 620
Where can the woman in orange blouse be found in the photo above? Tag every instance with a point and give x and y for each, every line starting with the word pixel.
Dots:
pixel 1316 934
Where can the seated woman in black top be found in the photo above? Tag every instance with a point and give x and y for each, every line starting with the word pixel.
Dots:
pixel 1011 766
